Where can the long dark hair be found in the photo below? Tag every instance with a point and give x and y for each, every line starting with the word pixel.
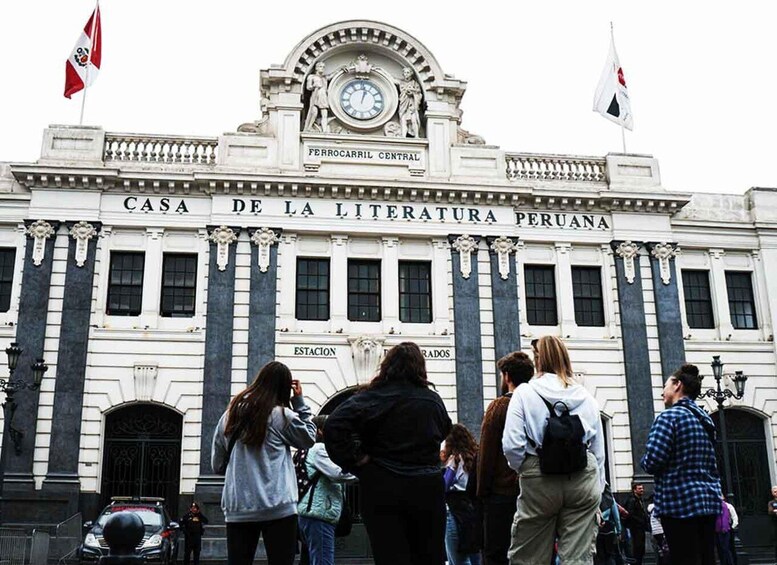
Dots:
pixel 251 408
pixel 402 363
pixel 462 446
pixel 689 376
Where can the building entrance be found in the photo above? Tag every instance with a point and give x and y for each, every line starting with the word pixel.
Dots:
pixel 142 455
pixel 748 453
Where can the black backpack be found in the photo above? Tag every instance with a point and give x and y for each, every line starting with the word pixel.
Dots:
pixel 305 482
pixel 563 451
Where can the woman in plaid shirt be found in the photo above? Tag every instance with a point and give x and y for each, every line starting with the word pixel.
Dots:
pixel 680 453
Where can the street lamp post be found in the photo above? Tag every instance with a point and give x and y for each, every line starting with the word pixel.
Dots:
pixel 11 387
pixel 720 394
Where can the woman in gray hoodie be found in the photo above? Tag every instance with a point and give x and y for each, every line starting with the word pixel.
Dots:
pixel 251 447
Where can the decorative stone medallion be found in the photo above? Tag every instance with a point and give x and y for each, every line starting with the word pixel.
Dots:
pixel 663 252
pixel 628 251
pixel 222 236
pixel 366 351
pixel 465 245
pixel 82 232
pixel 264 238
pixel 39 231
pixel 503 246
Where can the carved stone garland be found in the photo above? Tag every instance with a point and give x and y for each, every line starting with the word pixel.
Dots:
pixel 628 251
pixel 222 237
pixel 504 247
pixel 664 252
pixel 366 351
pixel 465 245
pixel 39 231
pixel 82 232
pixel 264 238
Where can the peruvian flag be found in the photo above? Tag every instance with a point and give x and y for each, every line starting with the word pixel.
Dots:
pixel 612 98
pixel 78 70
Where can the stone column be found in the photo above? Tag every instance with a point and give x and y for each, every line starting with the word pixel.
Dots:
pixel 504 296
pixel 566 299
pixel 466 323
pixel 338 271
pixel 261 308
pixel 62 476
pixel 667 299
pixel 30 335
pixel 720 294
pixel 220 315
pixel 390 283
pixel 636 361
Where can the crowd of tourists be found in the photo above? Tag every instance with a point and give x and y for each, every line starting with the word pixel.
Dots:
pixel 533 492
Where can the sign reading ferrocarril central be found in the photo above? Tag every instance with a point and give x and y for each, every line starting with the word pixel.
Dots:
pixel 364 154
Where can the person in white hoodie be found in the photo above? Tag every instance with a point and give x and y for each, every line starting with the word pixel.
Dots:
pixel 251 448
pixel 553 505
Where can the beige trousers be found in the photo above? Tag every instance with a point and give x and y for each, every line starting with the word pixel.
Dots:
pixel 551 506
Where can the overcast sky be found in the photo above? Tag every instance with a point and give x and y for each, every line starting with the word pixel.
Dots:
pixel 702 80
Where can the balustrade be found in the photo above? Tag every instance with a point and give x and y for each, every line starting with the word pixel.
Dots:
pixel 526 166
pixel 161 149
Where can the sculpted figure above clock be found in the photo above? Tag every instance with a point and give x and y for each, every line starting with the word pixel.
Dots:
pixel 364 98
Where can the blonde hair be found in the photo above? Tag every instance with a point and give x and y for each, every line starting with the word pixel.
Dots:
pixel 553 357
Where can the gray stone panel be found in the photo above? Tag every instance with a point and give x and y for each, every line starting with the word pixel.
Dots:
pixel 639 386
pixel 507 326
pixel 217 373
pixel 71 364
pixel 261 308
pixel 469 349
pixel 670 323
pixel 30 335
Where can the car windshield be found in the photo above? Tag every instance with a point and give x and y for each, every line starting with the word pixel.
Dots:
pixel 150 516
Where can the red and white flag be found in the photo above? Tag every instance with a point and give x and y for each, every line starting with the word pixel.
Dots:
pixel 83 65
pixel 612 98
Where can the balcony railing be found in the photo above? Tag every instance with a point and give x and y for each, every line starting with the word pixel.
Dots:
pixel 160 149
pixel 528 166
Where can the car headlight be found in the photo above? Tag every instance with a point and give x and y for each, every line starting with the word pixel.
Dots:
pixel 91 541
pixel 153 541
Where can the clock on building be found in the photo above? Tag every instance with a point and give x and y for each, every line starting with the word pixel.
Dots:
pixel 362 99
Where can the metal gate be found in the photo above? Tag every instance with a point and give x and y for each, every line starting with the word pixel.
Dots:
pixel 142 455
pixel 749 456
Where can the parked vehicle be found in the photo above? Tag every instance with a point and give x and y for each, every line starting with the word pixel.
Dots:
pixel 160 539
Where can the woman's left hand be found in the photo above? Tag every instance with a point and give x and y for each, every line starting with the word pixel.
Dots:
pixel 296 387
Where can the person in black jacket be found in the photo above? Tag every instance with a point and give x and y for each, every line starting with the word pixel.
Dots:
pixel 637 521
pixel 389 436
pixel 193 524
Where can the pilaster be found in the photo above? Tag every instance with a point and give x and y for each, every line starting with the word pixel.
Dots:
pixel 504 296
pixel 667 300
pixel 720 294
pixel 339 277
pixel 261 308
pixel 636 361
pixel 565 297
pixel 466 316
pixel 390 283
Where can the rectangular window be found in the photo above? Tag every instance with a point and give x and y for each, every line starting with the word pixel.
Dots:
pixel 7 260
pixel 125 284
pixel 364 291
pixel 540 295
pixel 741 303
pixel 415 292
pixel 698 299
pixel 587 293
pixel 312 289
pixel 179 285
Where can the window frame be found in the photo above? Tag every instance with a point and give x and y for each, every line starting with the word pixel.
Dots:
pixel 372 263
pixel 111 287
pixel 7 268
pixel 530 300
pixel 194 257
pixel 309 291
pixel 581 299
pixel 428 295
pixel 690 303
pixel 750 300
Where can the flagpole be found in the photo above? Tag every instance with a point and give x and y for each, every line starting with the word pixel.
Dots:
pixel 89 61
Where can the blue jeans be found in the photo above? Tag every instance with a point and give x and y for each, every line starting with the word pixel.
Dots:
pixel 452 545
pixel 319 538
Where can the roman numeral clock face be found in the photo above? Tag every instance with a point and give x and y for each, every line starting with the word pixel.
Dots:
pixel 362 99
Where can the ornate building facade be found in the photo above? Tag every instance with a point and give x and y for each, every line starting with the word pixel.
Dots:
pixel 156 274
